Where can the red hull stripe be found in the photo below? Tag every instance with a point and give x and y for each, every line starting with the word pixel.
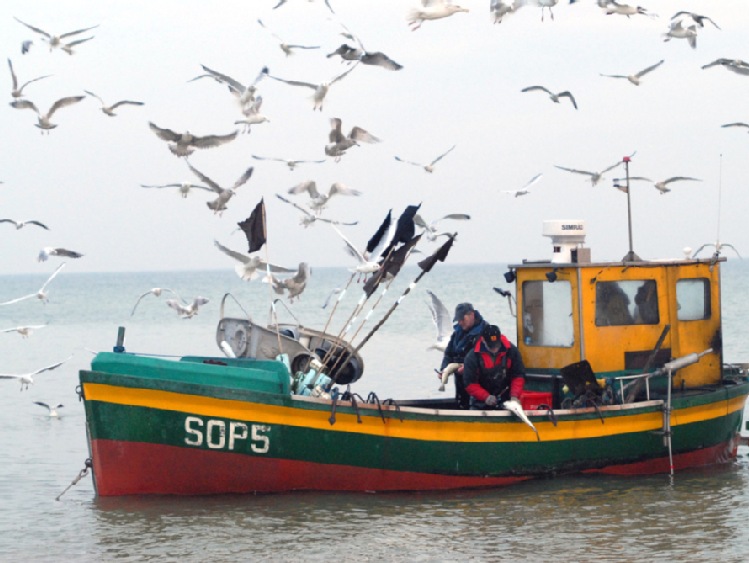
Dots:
pixel 127 468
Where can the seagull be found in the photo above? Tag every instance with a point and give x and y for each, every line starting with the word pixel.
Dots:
pixel 320 90
pixel 285 47
pixel 42 293
pixel 718 247
pixel 737 124
pixel 310 218
pixel 25 331
pixel 734 65
pixel 224 194
pixel 635 78
pixel 109 110
pixel 427 167
pixel 364 266
pixel 500 8
pixel 621 183
pixel 186 310
pixel 696 18
pixel 22 224
pixel 43 120
pixel 17 92
pixel 183 187
pixel 595 177
pixel 442 321
pixel 661 186
pixel 431 228
pixel 56 40
pixel 245 94
pixel 252 115
pixel 613 7
pixel 547 4
pixel 340 143
pixel 317 200
pixel 26 45
pixel 48 251
pixel 294 285
pixel 375 58
pixel 27 379
pixel 526 188
pixel 554 97
pixel 248 266
pixel 290 163
pixel 52 410
pixel 157 291
pixel 184 144
pixel 432 10
pixel 677 31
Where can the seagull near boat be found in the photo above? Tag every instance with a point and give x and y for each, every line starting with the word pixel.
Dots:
pixel 442 322
pixel 248 266
pixel 27 379
pixel 294 285
pixel 292 164
pixel 287 48
pixel 526 188
pixel 554 97
pixel 677 31
pixel 48 251
pixel 430 229
pixel 184 144
pixel 309 219
pixel 363 266
pixel 52 411
pixel 25 331
pixel 595 177
pixel 432 10
pixel 17 92
pixel 44 119
pixel 320 90
pixel 340 143
pixel 218 205
pixel 662 185
pixel 156 291
pixel 56 41
pixel 621 183
pixel 635 78
pixel 183 188
pixel 109 110
pixel 22 224
pixel 737 124
pixel 42 293
pixel 427 167
pixel 718 248
pixel 734 65
pixel 318 200
pixel 187 310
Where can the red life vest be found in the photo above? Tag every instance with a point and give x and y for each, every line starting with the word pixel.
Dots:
pixel 493 370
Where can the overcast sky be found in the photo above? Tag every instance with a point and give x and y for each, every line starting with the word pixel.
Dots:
pixel 460 85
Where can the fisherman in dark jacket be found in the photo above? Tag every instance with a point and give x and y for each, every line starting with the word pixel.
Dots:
pixel 493 370
pixel 468 326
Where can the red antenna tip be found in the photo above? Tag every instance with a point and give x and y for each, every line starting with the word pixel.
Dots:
pixel 626 159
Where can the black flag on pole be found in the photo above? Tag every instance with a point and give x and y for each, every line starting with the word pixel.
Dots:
pixel 391 266
pixel 439 255
pixel 254 227
pixel 376 239
pixel 404 230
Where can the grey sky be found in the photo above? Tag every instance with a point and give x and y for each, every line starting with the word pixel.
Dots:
pixel 460 85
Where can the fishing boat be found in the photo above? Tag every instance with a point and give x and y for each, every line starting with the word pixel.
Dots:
pixel 625 376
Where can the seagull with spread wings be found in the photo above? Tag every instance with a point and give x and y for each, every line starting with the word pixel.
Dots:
pixel 42 293
pixel 698 19
pixel 187 310
pixel 661 186
pixel 25 331
pixel 109 110
pixel 340 143
pixel 17 92
pixel 248 266
pixel 432 10
pixel 310 218
pixel 737 124
pixel 363 266
pixel 430 229
pixel 27 379
pixel 56 41
pixel 48 251
pixel 43 120
pixel 427 167
pixel 734 65
pixel 294 285
pixel 292 164
pixel 677 31
pixel 224 194
pixel 442 322
pixel 156 291
pixel 595 177
pixel 184 144
pixel 287 48
pixel 320 90
pixel 319 200
pixel 183 188
pixel 635 78
pixel 554 97
pixel 526 188
pixel 245 95
pixel 22 224
pixel 52 411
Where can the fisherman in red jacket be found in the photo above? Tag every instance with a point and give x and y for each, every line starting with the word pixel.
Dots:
pixel 493 371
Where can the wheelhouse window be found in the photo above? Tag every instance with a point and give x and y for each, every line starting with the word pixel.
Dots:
pixel 547 314
pixel 627 302
pixel 693 299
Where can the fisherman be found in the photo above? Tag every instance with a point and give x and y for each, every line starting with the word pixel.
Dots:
pixel 468 326
pixel 493 370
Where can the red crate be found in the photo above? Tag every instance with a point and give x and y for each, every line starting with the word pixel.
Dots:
pixel 535 400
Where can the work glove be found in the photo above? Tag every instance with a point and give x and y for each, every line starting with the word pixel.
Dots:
pixel 490 401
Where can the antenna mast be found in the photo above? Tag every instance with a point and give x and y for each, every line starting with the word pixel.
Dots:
pixel 630 256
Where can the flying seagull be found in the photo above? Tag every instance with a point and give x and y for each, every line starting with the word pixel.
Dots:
pixel 17 92
pixel 187 310
pixel 635 78
pixel 285 47
pixel 310 218
pixel 526 188
pixel 184 188
pixel 22 224
pixel 184 144
pixel 737 124
pixel 363 266
pixel 319 200
pixel 432 10
pixel 718 247
pixel 25 331
pixel 56 41
pixel 595 177
pixel 292 164
pixel 294 285
pixel 224 194
pixel 430 229
pixel 661 186
pixel 44 120
pixel 734 65
pixel 109 110
pixel 677 31
pixel 42 293
pixel 554 97
pixel 157 291
pixel 48 251
pixel 248 266
pixel 442 322
pixel 698 19
pixel 50 409
pixel 613 7
pixel 245 95
pixel 621 183
pixel 427 167
pixel 252 115
pixel 27 379
pixel 320 90
pixel 375 58
pixel 340 143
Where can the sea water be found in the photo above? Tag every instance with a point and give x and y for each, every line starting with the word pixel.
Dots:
pixel 697 515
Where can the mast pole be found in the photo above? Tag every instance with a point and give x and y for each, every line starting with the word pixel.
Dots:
pixel 631 256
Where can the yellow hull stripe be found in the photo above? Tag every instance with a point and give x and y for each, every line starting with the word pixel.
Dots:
pixel 438 431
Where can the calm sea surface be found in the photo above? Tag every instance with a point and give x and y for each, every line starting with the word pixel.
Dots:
pixel 699 515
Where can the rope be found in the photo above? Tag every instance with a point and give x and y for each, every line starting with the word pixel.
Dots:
pixel 87 465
